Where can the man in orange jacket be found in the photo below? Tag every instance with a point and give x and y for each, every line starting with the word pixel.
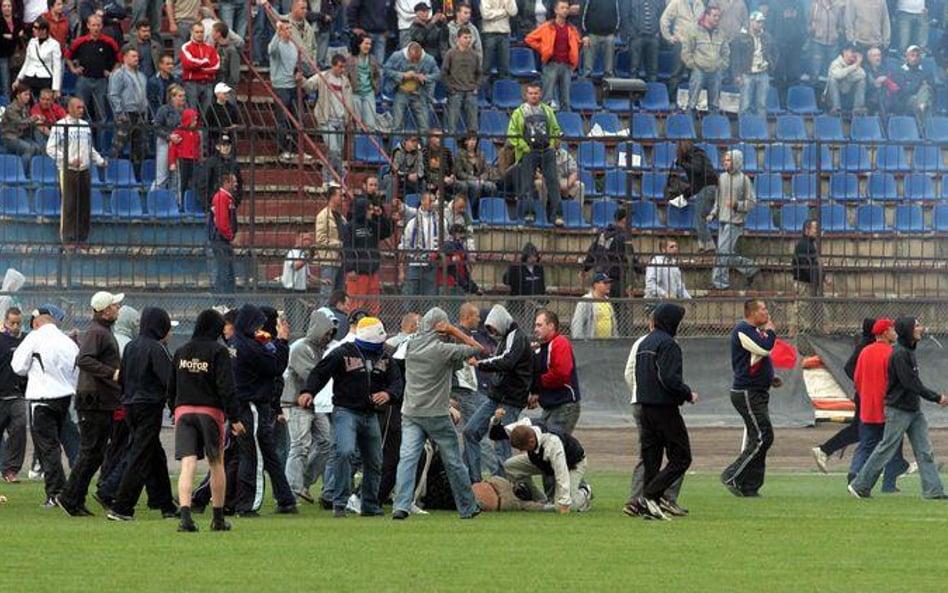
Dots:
pixel 558 43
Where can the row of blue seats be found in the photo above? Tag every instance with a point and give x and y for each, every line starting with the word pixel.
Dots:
pixel 123 204
pixel 43 171
pixel 157 234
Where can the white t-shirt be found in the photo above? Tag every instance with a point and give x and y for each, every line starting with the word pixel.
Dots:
pixel 294 279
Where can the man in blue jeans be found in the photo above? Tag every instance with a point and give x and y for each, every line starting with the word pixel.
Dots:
pixel 430 363
pixel 705 51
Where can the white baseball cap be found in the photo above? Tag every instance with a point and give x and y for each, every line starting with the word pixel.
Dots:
pixel 221 88
pixel 101 300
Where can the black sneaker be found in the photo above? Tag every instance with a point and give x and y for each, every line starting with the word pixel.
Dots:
pixel 187 527
pixel 117 516
pixel 305 496
pixel 248 514
pixel 633 508
pixel 399 515
pixel 732 488
pixel 325 504
pixel 220 525
pixel 287 509
pixel 104 501
pixel 84 511
pixel 339 512
pixel 71 511
pixel 50 503
pixel 671 508
pixel 472 515
pixel 858 493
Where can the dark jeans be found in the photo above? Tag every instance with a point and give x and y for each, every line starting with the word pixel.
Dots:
pixel 643 52
pixel 95 426
pixel 545 160
pixel 255 446
pixel 286 137
pixel 115 460
pixel 13 422
pixel 496 54
pixel 747 471
pixel 76 205
pixel 848 435
pixel 223 264
pixel 146 462
pixel 390 423
pixel 49 417
pixel 663 433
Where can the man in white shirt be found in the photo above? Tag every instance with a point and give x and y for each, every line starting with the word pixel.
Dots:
pixel 420 244
pixel 663 278
pixel 295 277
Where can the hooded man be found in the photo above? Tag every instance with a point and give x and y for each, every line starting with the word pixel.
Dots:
pixel 146 371
pixel 364 376
pixel 525 278
pixel 513 363
pixel 653 374
pixel 735 198
pixel 126 326
pixel 258 363
pixel 903 416
pixel 361 257
pixel 201 393
pixel 306 426
pixel 430 363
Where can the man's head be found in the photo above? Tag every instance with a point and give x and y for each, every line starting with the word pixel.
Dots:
pixel 130 58
pixel 414 52
pixel 884 330
pixel 422 12
pixel 229 181
pixel 410 143
pixel 55 6
pixel 219 32
pixel 143 31
pixel 94 24
pixel 755 312
pixel 465 38
pixel 811 228
pixel 459 204
pixel 370 185
pixel 106 305
pixel 13 321
pixel 335 198
pixel 546 325
pixel 712 16
pixel 299 10
pixel 524 438
pixel 913 55
pixel 409 323
pixel 874 57
pixel 670 246
pixel 561 10
pixel 225 145
pixel 338 64
pixel 197 32
pixel 339 300
pixel 601 284
pixel 727 162
pixel 165 64
pixel 46 99
pixel 469 316
pixel 849 53
pixel 76 107
pixel 434 138
pixel 756 22
pixel 230 317
pixel 304 240
pixel 620 216
pixel 533 93
pixel 283 30
pixel 222 92
pixel 462 14
pixel 427 201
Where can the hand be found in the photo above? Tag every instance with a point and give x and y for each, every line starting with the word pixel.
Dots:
pixel 455 415
pixel 300 78
pixel 175 138
pixel 533 400
pixel 281 418
pixel 381 397
pixel 943 402
pixel 710 218
pixel 237 429
pixel 442 327
pixel 499 414
pixel 173 28
pixel 562 509
pixel 770 326
pixel 304 400
pixel 586 41
pixel 283 329
pixel 694 398
pixel 172 167
pixel 422 78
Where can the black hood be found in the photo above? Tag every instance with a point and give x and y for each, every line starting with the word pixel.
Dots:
pixel 270 315
pixel 528 250
pixel 155 323
pixel 249 320
pixel 209 325
pixel 905 329
pixel 667 317
pixel 867 325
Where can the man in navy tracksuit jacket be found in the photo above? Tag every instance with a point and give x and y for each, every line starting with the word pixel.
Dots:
pixel 751 342
pixel 258 362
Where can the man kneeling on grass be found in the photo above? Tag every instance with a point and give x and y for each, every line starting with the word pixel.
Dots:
pixel 548 453
pixel 201 392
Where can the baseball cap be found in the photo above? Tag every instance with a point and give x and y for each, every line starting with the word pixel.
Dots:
pixel 912 48
pixel 48 309
pixel 422 6
pixel 881 326
pixel 601 277
pixel 757 16
pixel 102 299
pixel 221 88
pixel 225 139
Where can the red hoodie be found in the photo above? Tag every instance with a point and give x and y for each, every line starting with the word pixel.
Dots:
pixel 190 145
pixel 222 204
pixel 199 62
pixel 871 379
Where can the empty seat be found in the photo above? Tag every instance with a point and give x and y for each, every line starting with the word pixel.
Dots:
pixel 892 158
pixel 936 129
pixel 752 127
pixel 43 171
pixel 99 206
pixel 11 170
pixel 630 155
pixel 679 219
pixel 644 126
pixel 582 96
pixel 48 202
pixel 870 218
pixel 148 172
pixel 506 94
pixel 750 156
pixel 494 123
pixel 592 155
pixel 617 184
pixel 779 158
pixel 828 128
pixel 882 186
pixel 854 158
pixel 120 173
pixel 791 128
pixel 573 215
pixel 127 204
pixel 803 186
pixel 940 218
pixel 571 123
pixel 773 101
pixel 162 204
pixel 866 128
pixel 902 128
pixel 792 217
pixel 801 99
pixel 645 216
pixel 715 127
pixel 927 158
pixel 833 219
pixel 368 152
pixel 603 212
pixel 664 155
pixel 608 122
pixel 769 186
pixel 523 62
pixel 713 153
pixel 808 160
pixel 918 186
pixel 909 219
pixel 487 148
pixel 589 184
pixel 494 211
pixel 760 219
pixel 844 186
pixel 679 126
pixel 618 104
pixel 656 98
pixel 653 185
pixel 15 202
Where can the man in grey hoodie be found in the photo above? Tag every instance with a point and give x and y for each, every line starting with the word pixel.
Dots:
pixel 430 363
pixel 735 198
pixel 126 326
pixel 307 427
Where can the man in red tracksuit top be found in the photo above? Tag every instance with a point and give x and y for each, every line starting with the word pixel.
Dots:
pixel 555 382
pixel 199 66
pixel 222 228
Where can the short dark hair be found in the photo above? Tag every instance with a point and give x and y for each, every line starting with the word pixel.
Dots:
pixel 551 318
pixel 620 214
pixel 464 31
pixel 222 29
pixel 337 297
pixel 338 59
pixel 166 55
pixel 42 23
pixel 808 222
pixel 139 25
pixel 12 311
pixel 533 84
pixel 522 436
pixel 751 306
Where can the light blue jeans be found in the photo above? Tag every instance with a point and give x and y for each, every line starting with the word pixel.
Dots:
pixel 351 428
pixel 417 103
pixel 605 44
pixel 468 403
pixel 701 205
pixel 555 79
pixel 728 234
pixel 161 164
pixel 378 46
pixel 310 449
pixel 234 14
pixel 415 430
pixel 704 80
pixel 820 58
pixel 911 29
pixel 869 437
pixel 364 106
pixel 461 104
pixel 327 279
pixel 420 281
pixel 562 417
pixel 898 423
pixel 476 429
pixel 754 93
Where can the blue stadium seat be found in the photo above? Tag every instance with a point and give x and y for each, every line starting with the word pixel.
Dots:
pixel 412 200
pixel 752 127
pixel 523 63
pixel 844 187
pixel 645 216
pixel 608 122
pixel 482 101
pixel 623 64
pixel 679 126
pixel 769 187
pixel 866 128
pixel 801 100
pixel 803 186
pixel 679 219
pixel 773 102
pixel 603 212
pixel 936 129
pixel 792 217
pixel 713 152
pixel 127 204
pixel 617 185
pixel 494 211
pixel 618 104
pixel 488 149
pixel 918 186
pixel 573 215
pixel 47 202
pixel 902 128
pixel 540 219
pixel 589 182
pixel 148 172
pixel 791 128
pixel 99 206
pixel 808 159
pixel 367 152
pixel 854 158
pixel 870 218
pixel 162 204
pixel 778 158
pixel 828 128
pixel 664 155
pixel 760 220
pixel 882 186
pixel 571 123
pixel 120 173
pixel 750 156
pixel 653 185
pixel 631 149
pixel 940 218
pixel 910 219
pixel 656 98
pixel 506 94
pixel 592 155
pixel 644 126
pixel 582 96
pixel 833 219
pixel 892 158
pixel 43 171
pixel 927 159
pixel 11 170
pixel 15 203
pixel 716 128
pixel 494 123
pixel 666 61
pixel 192 206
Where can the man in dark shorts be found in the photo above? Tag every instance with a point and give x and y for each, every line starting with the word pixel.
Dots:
pixel 201 393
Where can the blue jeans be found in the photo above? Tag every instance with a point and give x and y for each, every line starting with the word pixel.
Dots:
pixel 94 93
pixel 704 80
pixel 262 33
pixel 364 107
pixel 869 437
pixel 728 234
pixel 911 29
pixel 604 44
pixel 468 403
pixel 418 103
pixel 415 430
pixel 234 14
pixel 496 53
pixel 562 417
pixel 200 95
pixel 286 138
pixel 644 56
pixel 310 450
pixel 420 281
pixel 458 103
pixel 701 204
pixel 350 428
pixel 545 160
pixel 855 93
pixel 5 76
pixel 223 265
pixel 25 149
pixel 378 46
pixel 476 429
pixel 898 423
pixel 820 58
pixel 149 10
pixel 328 275
pixel 754 93
pixel 555 80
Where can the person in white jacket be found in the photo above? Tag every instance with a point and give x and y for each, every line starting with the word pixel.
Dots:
pixel 47 357
pixel 42 62
pixel 663 279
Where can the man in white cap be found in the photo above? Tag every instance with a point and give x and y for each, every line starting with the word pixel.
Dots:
pixel 221 117
pixel 98 396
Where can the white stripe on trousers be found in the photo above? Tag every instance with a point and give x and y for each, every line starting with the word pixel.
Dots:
pixel 743 466
pixel 258 468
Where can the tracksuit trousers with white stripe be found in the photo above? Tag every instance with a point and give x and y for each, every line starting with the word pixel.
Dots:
pixel 257 452
pixel 747 471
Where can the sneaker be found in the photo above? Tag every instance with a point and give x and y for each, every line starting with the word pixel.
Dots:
pixel 654 511
pixel 187 527
pixel 558 221
pixel 857 493
pixel 220 525
pixel 633 508
pixel 820 458
pixel 49 504
pixel 308 158
pixel 306 496
pixel 71 511
pixel 116 516
pixel 286 157
pixel 586 489
pixel 104 502
pixel 339 512
pixel 399 515
pixel 417 510
pixel 11 478
pixel 84 511
pixel 912 468
pixel 732 488
pixel 248 514
pixel 354 505
pixel 35 475
pixel 671 508
pixel 287 509
pixel 472 515
pixel 529 218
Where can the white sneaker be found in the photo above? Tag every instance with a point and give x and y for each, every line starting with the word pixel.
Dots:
pixel 820 458
pixel 35 475
pixel 308 158
pixel 286 156
pixel 354 505
pixel 655 511
pixel 912 468
pixel 417 510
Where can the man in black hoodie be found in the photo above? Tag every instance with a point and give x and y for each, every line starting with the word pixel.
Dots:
pixel 903 416
pixel 361 259
pixel 146 369
pixel 201 393
pixel 654 376
pixel 12 403
pixel 525 278
pixel 258 363
pixel 98 395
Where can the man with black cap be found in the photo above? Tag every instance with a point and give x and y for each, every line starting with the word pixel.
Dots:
pixel 98 395
pixel 47 357
pixel 219 164
pixel 654 376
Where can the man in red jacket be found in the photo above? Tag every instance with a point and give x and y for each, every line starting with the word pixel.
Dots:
pixel 555 382
pixel 222 228
pixel 199 66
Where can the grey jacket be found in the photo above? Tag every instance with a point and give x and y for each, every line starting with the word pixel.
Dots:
pixel 735 197
pixel 583 324
pixel 304 354
pixel 126 326
pixel 128 91
pixel 867 22
pixel 705 49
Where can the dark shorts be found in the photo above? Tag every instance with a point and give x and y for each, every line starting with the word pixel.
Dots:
pixel 198 434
